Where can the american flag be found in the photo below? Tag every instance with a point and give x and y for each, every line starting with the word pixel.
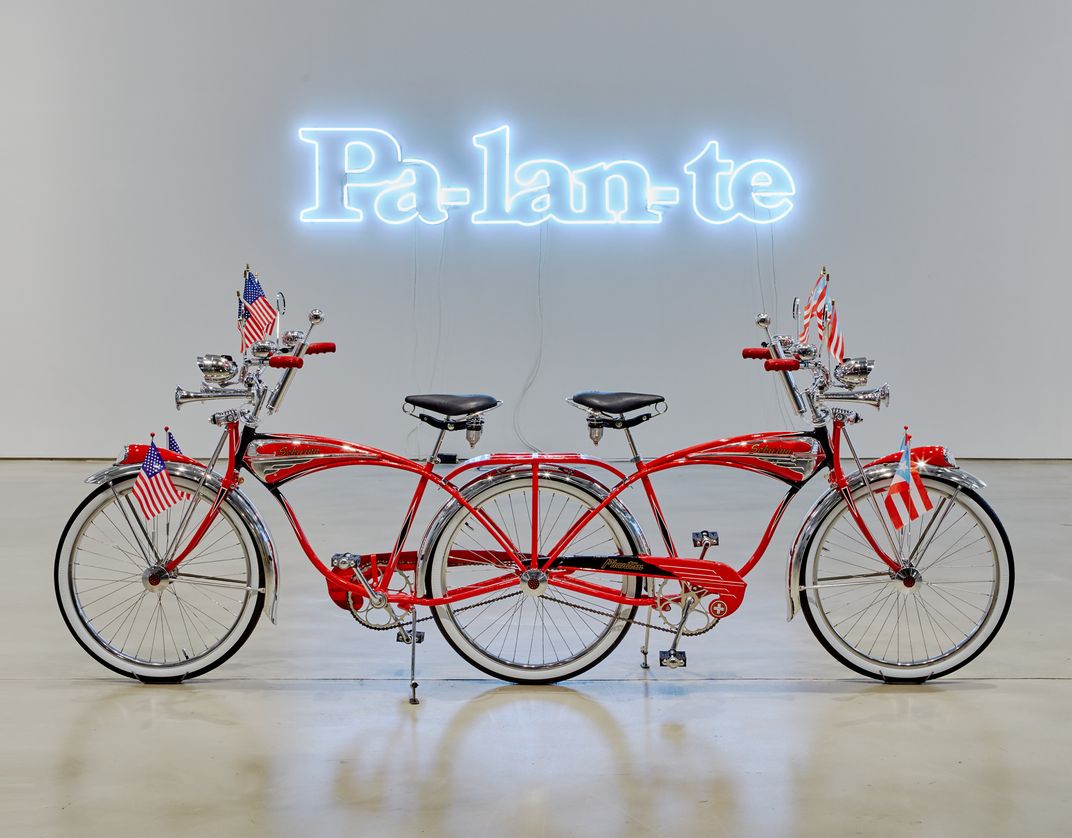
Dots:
pixel 815 306
pixel 834 341
pixel 906 487
pixel 153 489
pixel 172 443
pixel 256 317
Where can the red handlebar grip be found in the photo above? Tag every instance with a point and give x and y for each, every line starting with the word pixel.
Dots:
pixel 285 361
pixel 781 365
pixel 757 352
pixel 320 348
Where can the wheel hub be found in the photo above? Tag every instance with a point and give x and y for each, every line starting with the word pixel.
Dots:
pixel 533 582
pixel 909 577
pixel 155 579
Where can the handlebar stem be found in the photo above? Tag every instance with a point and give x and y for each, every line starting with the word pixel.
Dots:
pixel 280 392
pixel 778 349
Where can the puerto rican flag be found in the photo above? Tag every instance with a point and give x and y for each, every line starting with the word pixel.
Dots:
pixel 815 306
pixel 835 343
pixel 256 317
pixel 906 489
pixel 153 489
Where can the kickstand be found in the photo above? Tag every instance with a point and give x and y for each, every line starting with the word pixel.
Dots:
pixel 647 638
pixel 413 657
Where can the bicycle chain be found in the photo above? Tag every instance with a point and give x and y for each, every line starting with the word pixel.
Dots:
pixel 595 611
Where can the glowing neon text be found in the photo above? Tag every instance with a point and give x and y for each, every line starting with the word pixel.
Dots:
pixel 360 173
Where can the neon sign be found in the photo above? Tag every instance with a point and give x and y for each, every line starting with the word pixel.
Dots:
pixel 361 174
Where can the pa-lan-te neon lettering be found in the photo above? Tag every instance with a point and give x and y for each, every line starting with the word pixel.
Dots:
pixel 360 175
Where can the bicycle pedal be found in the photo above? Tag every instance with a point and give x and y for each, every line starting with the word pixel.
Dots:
pixel 344 561
pixel 672 659
pixel 403 637
pixel 705 538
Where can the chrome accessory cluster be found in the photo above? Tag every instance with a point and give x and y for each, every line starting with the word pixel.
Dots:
pixel 849 375
pixel 219 372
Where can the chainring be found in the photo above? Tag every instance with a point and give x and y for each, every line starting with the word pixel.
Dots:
pixel 669 604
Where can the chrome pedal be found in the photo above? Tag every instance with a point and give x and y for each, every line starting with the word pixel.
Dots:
pixel 403 636
pixel 673 659
pixel 345 561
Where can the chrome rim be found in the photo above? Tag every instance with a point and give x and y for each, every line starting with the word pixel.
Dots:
pixel 954 572
pixel 127 604
pixel 552 627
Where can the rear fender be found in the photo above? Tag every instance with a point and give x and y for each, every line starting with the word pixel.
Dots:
pixel 875 471
pixel 179 465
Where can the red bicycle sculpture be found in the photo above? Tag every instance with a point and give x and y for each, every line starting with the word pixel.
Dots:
pixel 533 568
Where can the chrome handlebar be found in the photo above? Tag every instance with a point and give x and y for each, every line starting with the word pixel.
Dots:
pixel 316 317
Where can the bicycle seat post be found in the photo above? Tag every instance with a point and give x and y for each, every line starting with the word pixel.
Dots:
pixel 632 444
pixel 434 456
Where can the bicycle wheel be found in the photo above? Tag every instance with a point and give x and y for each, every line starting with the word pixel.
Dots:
pixel 164 631
pixel 539 634
pixel 930 620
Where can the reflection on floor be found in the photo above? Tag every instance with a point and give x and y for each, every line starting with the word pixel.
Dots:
pixel 307 730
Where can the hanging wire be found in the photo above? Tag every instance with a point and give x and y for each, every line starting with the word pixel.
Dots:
pixel 759 270
pixel 439 305
pixel 782 410
pixel 774 273
pixel 538 359
pixel 416 340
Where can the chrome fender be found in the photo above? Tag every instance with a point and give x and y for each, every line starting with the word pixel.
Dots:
pixel 507 473
pixel 262 540
pixel 823 506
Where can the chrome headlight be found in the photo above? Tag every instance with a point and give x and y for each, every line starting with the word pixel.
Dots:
pixel 853 372
pixel 217 369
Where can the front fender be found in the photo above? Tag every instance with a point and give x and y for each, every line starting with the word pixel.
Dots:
pixel 875 471
pixel 510 472
pixel 192 470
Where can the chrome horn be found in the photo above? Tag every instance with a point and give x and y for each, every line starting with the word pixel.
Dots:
pixel 185 396
pixel 877 397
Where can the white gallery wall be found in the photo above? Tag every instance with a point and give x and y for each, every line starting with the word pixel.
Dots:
pixel 150 150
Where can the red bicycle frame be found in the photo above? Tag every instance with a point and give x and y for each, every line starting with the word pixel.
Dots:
pixel 790 457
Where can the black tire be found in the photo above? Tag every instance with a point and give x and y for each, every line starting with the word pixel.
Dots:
pixel 995 592
pixel 602 644
pixel 72 608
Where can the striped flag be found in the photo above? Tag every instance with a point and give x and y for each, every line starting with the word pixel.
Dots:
pixel 834 341
pixel 906 488
pixel 815 306
pixel 172 443
pixel 256 316
pixel 153 489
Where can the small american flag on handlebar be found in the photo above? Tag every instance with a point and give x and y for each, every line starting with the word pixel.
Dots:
pixel 256 317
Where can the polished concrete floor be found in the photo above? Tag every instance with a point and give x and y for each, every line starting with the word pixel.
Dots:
pixel 307 730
